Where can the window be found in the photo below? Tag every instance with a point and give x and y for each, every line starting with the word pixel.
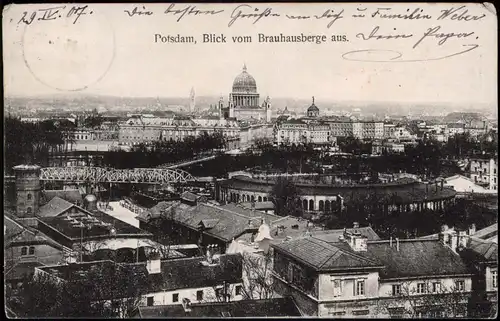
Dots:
pixel 238 290
pixel 28 210
pixel 337 287
pixel 494 279
pixel 32 250
pixel 360 287
pixel 218 292
pixel 199 295
pixel 460 285
pixel 396 289
pixel 421 288
pixel 28 196
pixel 175 297
pixel 150 301
pixel 436 287
pixel 24 250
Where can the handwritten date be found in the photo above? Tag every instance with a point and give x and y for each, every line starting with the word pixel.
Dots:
pixel 53 13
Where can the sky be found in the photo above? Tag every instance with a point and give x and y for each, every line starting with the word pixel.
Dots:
pixel 109 53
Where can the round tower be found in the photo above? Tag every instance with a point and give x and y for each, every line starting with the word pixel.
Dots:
pixel 27 190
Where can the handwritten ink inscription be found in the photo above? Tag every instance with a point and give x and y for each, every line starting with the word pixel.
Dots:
pixel 53 13
pixel 429 28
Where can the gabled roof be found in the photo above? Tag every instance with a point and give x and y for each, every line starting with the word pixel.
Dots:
pixel 276 307
pixel 487 251
pixel 54 207
pixel 324 256
pixel 415 257
pixel 191 197
pixel 209 223
pixel 72 196
pixel 190 273
pixel 17 234
pixel 487 232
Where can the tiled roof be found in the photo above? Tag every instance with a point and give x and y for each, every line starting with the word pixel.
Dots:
pixel 276 307
pixel 190 273
pixel 487 251
pixel 415 257
pixel 230 224
pixel 259 205
pixel 487 232
pixel 72 196
pixel 333 235
pixel 188 196
pixel 324 256
pixel 19 235
pixel 54 207
pixel 96 225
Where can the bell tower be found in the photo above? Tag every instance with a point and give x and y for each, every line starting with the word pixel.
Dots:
pixel 27 190
pixel 231 106
pixel 192 101
pixel 220 107
pixel 268 109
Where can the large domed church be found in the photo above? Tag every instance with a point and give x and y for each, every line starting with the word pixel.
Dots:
pixel 244 100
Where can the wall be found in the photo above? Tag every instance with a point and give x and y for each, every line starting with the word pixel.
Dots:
pixel 165 298
pixel 489 279
pixel 44 253
pixel 326 292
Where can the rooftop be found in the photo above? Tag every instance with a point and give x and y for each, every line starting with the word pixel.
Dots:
pixel 175 274
pixel 415 257
pixel 16 234
pixel 91 226
pixel 276 307
pixel 72 196
pixel 404 190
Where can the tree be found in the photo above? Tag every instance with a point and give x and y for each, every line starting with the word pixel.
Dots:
pixel 285 197
pixel 436 301
pixel 258 282
pixel 100 292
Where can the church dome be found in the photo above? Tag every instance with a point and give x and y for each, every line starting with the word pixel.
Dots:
pixel 313 110
pixel 244 83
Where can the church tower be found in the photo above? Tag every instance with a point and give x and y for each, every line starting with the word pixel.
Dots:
pixel 27 190
pixel 268 109
pixel 220 107
pixel 231 106
pixel 192 101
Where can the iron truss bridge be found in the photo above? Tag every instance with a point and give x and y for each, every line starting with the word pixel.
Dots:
pixel 111 175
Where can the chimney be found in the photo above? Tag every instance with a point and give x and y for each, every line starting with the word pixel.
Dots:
pixel 355 225
pixel 397 244
pixel 472 229
pixel 442 184
pixel 436 185
pixel 186 305
pixel 426 188
pixel 390 242
pixel 462 239
pixel 153 263
pixel 454 241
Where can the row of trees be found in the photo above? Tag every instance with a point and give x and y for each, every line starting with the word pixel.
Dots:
pixel 33 143
pixel 163 152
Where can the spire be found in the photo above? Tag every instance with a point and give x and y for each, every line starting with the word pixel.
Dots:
pixel 313 100
pixel 244 67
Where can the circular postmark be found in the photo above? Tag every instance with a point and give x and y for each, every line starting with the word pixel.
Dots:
pixel 66 55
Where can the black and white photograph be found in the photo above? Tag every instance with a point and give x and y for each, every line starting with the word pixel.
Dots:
pixel 250 160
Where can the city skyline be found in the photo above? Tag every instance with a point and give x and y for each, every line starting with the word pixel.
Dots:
pixel 142 68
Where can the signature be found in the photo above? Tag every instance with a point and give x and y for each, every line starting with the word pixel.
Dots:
pixel 189 10
pixel 54 13
pixel 253 13
pixel 382 55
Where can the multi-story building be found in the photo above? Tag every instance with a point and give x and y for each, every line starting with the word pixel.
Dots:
pixel 389 130
pixel 296 131
pixel 140 129
pixel 358 129
pixel 379 148
pixel 484 172
pixel 355 277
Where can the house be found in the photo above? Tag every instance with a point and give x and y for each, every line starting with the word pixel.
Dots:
pixel 88 232
pixel 484 172
pixel 26 244
pixel 167 282
pixel 482 257
pixel 275 307
pixel 463 184
pixel 355 277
